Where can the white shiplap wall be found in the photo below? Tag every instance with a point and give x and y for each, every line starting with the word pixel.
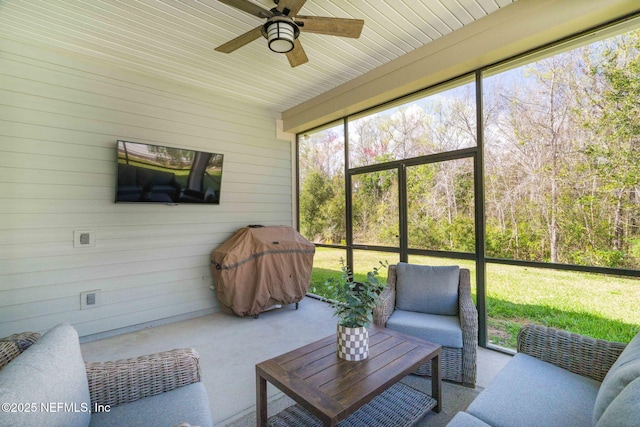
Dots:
pixel 60 118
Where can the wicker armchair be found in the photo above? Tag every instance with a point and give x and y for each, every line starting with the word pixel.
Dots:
pixel 458 364
pixel 128 380
pixel 582 355
pixel 13 345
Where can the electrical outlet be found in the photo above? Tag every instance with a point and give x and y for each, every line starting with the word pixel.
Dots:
pixel 83 239
pixel 89 299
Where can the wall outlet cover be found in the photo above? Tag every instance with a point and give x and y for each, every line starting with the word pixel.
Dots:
pixel 89 299
pixel 84 239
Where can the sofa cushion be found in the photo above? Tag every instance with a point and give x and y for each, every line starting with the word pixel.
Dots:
pixel 188 404
pixel 624 410
pixel 463 419
pixel 427 289
pixel 443 330
pixel 625 370
pixel 528 392
pixel 51 375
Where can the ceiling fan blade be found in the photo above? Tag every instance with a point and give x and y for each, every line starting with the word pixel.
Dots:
pixel 247 6
pixel 342 27
pixel 294 6
pixel 240 41
pixel 297 56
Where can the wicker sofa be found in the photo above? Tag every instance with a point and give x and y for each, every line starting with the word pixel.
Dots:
pixel 561 379
pixel 457 332
pixel 13 345
pixel 49 384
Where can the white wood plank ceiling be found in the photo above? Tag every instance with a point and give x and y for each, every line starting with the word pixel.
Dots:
pixel 175 40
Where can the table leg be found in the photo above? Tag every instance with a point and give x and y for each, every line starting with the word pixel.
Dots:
pixel 261 401
pixel 436 382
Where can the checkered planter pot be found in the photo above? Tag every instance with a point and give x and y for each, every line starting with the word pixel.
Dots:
pixel 353 343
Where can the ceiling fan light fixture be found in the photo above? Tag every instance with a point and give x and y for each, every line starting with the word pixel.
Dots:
pixel 280 34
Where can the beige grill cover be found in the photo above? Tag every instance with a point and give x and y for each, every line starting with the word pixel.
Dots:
pixel 259 267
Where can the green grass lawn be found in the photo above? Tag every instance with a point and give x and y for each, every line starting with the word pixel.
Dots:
pixel 599 306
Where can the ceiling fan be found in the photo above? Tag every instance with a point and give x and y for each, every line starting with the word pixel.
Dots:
pixel 284 25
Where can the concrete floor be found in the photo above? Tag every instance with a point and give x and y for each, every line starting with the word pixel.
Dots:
pixel 230 347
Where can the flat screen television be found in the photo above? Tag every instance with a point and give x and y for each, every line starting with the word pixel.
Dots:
pixel 149 173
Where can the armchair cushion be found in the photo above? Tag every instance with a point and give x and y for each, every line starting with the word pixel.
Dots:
pixel 50 371
pixel 445 330
pixel 166 409
pixel 625 370
pixel 428 289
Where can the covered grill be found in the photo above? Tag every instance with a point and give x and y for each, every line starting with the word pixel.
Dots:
pixel 259 267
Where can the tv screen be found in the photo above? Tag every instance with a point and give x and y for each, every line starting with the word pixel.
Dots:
pixel 156 174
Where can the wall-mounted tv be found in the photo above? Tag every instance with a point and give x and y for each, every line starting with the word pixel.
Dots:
pixel 157 174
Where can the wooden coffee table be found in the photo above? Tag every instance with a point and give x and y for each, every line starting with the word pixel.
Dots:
pixel 331 388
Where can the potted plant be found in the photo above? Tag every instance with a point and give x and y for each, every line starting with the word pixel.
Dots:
pixel 353 305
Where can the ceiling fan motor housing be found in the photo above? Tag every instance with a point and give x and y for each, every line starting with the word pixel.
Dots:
pixel 280 31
